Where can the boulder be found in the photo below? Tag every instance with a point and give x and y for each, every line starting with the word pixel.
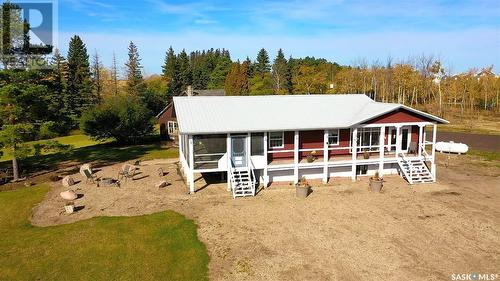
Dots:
pixel 68 181
pixel 68 195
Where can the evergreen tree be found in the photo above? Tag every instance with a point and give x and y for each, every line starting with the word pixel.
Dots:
pixel 168 67
pixel 262 65
pixel 79 85
pixel 218 75
pixel 280 73
pixel 184 70
pixel 248 62
pixel 133 68
pixel 114 75
pixel 175 85
pixel 97 78
pixel 58 94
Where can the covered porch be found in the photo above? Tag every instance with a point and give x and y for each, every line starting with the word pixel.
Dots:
pixel 262 153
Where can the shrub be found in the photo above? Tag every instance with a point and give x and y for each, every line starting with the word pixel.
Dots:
pixel 124 119
pixel 48 130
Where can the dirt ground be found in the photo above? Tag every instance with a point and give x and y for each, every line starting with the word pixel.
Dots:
pixel 340 232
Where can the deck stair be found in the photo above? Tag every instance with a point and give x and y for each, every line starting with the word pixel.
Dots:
pixel 243 182
pixel 414 170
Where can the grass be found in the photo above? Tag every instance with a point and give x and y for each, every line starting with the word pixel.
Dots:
pixel 85 150
pixel 76 140
pixel 161 246
pixel 486 155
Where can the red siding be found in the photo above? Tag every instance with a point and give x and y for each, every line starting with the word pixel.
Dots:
pixel 399 116
pixel 168 115
pixel 310 140
pixel 288 145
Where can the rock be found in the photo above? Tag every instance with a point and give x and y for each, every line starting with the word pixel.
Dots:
pixel 68 181
pixel 162 184
pixel 68 195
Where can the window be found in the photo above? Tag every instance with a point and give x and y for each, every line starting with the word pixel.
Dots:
pixel 257 143
pixel 276 140
pixel 368 139
pixel 172 127
pixel 333 137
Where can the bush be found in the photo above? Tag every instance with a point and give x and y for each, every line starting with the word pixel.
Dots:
pixel 48 130
pixel 124 119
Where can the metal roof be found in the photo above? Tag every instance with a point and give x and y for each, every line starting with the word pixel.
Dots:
pixel 232 114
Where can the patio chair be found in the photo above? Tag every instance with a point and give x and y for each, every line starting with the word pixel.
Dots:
pixel 89 176
pixel 128 171
pixel 412 148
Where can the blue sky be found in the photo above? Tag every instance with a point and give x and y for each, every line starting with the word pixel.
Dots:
pixel 464 34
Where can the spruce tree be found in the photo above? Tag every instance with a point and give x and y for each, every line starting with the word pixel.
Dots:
pixel 280 71
pixel 58 94
pixel 262 65
pixel 79 85
pixel 133 68
pixel 168 67
pixel 175 85
pixel 96 78
pixel 248 62
pixel 114 75
pixel 184 70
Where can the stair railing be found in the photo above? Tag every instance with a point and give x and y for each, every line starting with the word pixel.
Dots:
pixel 253 179
pixel 402 156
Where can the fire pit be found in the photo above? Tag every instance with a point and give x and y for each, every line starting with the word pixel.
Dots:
pixel 108 182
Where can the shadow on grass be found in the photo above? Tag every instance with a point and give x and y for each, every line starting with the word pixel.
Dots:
pixel 99 155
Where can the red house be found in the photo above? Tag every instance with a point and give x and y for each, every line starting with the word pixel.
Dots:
pixel 264 139
pixel 168 119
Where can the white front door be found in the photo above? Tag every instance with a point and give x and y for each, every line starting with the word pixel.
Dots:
pixel 404 138
pixel 239 151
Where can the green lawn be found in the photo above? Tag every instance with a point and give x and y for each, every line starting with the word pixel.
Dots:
pixel 162 246
pixel 86 150
pixel 77 141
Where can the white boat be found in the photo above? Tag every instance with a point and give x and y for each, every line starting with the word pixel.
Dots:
pixel 452 147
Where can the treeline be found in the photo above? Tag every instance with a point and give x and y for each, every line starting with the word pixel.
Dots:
pixel 421 82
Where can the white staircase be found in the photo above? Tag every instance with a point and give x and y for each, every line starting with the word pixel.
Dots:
pixel 242 182
pixel 415 170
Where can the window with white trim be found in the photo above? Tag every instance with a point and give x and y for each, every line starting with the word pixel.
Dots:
pixel 333 137
pixel 368 139
pixel 172 127
pixel 276 140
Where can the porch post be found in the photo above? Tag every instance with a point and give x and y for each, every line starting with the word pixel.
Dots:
pixel 296 157
pixel 190 176
pixel 228 160
pixel 420 129
pixel 325 156
pixel 398 140
pixel 433 158
pixel 266 176
pixel 249 149
pixel 381 151
pixel 181 153
pixel 354 152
